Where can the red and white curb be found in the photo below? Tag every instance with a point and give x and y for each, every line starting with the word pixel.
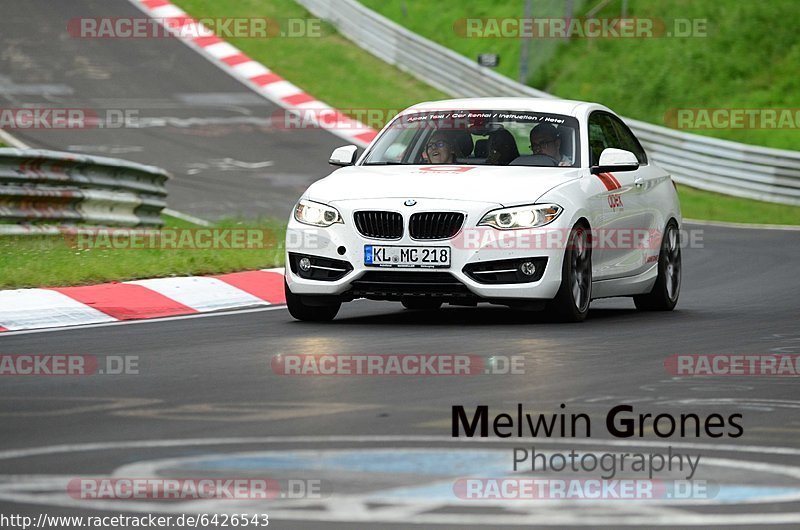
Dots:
pixel 24 309
pixel 254 74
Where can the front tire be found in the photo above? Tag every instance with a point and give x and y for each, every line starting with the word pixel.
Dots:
pixel 665 292
pixel 306 312
pixel 571 303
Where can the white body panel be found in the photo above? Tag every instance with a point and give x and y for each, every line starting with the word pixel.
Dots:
pixel 645 201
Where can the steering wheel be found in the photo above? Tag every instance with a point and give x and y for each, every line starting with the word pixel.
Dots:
pixel 542 160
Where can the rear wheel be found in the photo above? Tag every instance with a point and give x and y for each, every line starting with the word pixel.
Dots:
pixel 664 294
pixel 571 303
pixel 303 310
pixel 421 303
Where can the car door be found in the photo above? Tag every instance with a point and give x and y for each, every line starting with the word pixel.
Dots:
pixel 653 187
pixel 617 204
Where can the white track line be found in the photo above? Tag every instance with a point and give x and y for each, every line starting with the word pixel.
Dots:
pixel 13 142
pixel 26 308
pixel 144 321
pixel 201 293
pixel 185 217
pixel 102 446
pixel 749 226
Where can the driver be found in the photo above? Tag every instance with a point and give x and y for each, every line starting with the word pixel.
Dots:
pixel 545 140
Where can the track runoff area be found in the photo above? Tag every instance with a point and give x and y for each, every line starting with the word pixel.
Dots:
pixel 388 418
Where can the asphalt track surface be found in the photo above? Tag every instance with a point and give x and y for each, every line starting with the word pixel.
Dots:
pixel 188 116
pixel 206 401
pixel 205 379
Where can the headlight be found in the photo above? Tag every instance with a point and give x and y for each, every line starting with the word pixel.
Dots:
pixel 316 214
pixel 522 216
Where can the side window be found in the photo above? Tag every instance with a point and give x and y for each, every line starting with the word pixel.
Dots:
pixel 628 141
pixel 602 134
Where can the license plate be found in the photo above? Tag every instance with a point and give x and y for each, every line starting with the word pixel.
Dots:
pixel 408 257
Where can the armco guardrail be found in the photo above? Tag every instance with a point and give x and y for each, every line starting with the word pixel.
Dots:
pixel 707 163
pixel 45 187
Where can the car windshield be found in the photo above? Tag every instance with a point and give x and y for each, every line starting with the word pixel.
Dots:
pixel 480 137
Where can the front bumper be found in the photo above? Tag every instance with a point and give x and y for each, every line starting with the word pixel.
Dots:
pixel 459 282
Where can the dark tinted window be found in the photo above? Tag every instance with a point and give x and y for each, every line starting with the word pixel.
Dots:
pixel 628 141
pixel 602 135
pixel 476 137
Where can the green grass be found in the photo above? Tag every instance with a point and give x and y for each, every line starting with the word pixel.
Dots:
pixel 699 204
pixel 442 22
pixel 740 65
pixel 42 261
pixel 329 66
pixel 750 58
pixel 49 261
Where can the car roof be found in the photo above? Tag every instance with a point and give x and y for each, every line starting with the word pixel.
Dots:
pixel 550 105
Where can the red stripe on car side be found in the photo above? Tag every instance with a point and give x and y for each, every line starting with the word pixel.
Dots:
pixel 606 181
pixel 614 179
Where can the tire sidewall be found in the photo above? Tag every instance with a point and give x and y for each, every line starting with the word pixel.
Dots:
pixel 663 264
pixel 578 229
pixel 563 305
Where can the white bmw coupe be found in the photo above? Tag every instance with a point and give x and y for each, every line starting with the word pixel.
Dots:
pixel 530 203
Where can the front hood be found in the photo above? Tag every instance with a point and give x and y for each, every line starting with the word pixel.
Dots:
pixel 506 185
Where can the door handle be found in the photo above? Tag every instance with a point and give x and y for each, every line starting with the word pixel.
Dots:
pixel 638 182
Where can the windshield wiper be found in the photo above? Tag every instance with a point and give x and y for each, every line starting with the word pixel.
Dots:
pixel 389 163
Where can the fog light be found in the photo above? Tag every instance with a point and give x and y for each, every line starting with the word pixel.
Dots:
pixel 305 264
pixel 527 268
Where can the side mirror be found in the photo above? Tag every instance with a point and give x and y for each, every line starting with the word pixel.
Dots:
pixel 612 159
pixel 344 156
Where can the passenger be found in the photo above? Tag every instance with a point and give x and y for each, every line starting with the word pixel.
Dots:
pixel 502 148
pixel 445 147
pixel 545 140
